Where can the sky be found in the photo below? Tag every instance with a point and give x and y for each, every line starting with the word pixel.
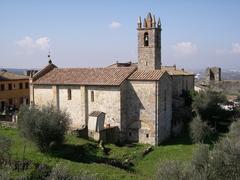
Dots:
pixel 96 33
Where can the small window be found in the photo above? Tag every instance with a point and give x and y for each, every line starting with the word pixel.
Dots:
pixel 146 39
pixel 69 94
pixel 129 134
pixel 2 87
pixel 92 96
pixel 147 135
pixel 14 86
pixel 20 85
pixel 9 86
pixel 27 85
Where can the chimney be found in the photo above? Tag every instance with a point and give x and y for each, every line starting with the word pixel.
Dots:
pixel 174 66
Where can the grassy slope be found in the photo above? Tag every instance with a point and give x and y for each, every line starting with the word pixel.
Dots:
pixel 178 148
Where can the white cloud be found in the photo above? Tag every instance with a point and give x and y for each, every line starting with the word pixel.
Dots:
pixel 115 25
pixel 28 45
pixel 185 48
pixel 42 43
pixel 26 42
pixel 235 48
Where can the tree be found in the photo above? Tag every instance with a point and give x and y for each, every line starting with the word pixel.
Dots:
pixel 199 130
pixel 208 106
pixel 43 125
pixel 222 162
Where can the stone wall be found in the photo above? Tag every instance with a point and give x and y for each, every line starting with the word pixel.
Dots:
pixel 71 106
pixel 213 74
pixel 181 83
pixel 43 95
pixel 226 86
pixel 164 108
pixel 149 57
pixel 141 105
pixel 106 99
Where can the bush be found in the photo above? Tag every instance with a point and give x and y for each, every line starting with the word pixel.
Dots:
pixel 5 145
pixel 208 106
pixel 171 170
pixel 225 157
pixel 199 163
pixel 199 130
pixel 60 172
pixel 46 126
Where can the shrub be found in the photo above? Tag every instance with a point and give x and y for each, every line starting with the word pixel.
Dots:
pixel 208 106
pixel 225 157
pixel 199 130
pixel 171 170
pixel 60 171
pixel 199 163
pixel 5 145
pixel 45 126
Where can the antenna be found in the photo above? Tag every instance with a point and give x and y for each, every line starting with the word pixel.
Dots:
pixel 49 57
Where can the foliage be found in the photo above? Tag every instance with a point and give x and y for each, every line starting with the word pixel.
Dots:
pixel 45 126
pixel 5 145
pixel 171 170
pixel 199 130
pixel 223 162
pixel 207 106
pixel 188 97
pixel 60 171
pixel 179 148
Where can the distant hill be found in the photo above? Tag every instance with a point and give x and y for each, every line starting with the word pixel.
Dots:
pixel 227 74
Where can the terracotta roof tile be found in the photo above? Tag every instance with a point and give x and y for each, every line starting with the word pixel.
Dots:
pixel 5 76
pixel 86 76
pixel 174 71
pixel 151 75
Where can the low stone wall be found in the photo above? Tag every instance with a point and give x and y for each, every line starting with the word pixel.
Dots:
pixel 228 86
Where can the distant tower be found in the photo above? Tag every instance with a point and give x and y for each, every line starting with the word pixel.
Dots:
pixel 213 74
pixel 149 43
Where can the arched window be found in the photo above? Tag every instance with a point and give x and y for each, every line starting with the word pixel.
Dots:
pixel 146 39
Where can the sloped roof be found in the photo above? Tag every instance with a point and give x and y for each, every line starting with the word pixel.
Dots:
pixel 95 113
pixel 172 70
pixel 126 64
pixel 5 76
pixel 149 75
pixel 86 76
pixel 44 71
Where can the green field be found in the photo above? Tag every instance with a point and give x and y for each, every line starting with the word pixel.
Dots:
pixel 81 155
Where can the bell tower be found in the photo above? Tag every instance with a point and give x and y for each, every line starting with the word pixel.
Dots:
pixel 149 43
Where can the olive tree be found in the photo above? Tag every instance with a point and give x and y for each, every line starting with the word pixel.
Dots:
pixel 44 125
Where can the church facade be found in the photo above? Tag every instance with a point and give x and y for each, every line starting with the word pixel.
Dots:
pixel 135 98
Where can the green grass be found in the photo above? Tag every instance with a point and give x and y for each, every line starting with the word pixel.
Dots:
pixel 80 155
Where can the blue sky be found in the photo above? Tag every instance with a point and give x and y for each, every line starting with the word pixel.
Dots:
pixel 95 33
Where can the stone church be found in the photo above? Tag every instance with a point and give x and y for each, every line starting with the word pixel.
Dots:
pixel 135 98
